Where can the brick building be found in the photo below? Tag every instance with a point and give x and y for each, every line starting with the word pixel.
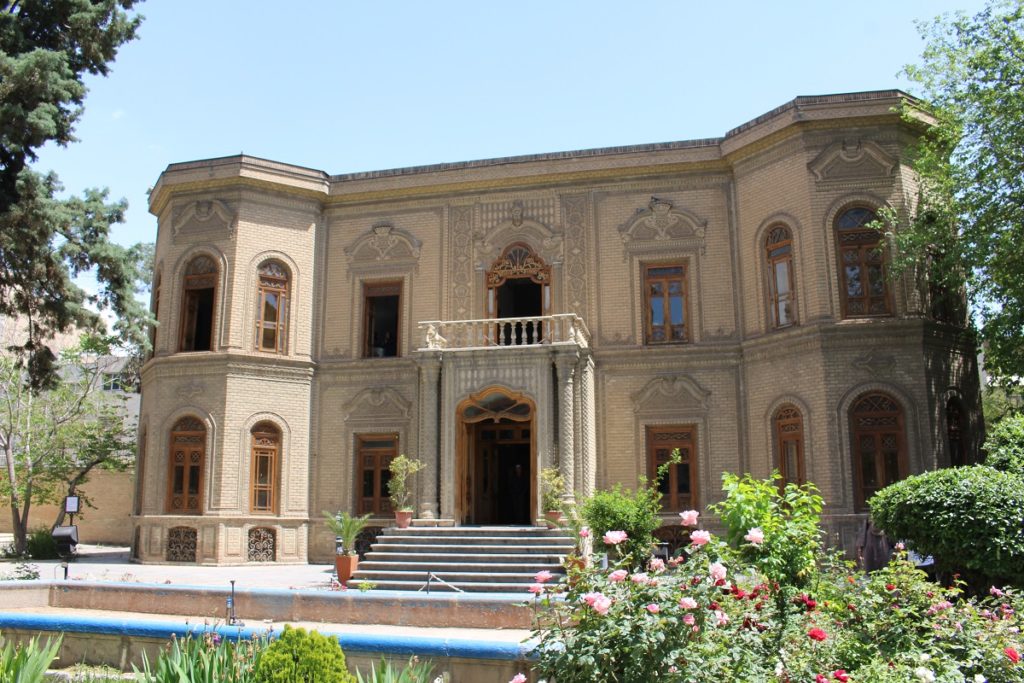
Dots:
pixel 585 310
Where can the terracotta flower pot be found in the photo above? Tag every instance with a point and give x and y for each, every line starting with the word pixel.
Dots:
pixel 345 566
pixel 553 518
pixel 403 518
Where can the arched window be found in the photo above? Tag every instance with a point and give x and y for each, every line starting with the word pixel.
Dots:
pixel 197 304
pixel 781 298
pixel 272 307
pixel 185 476
pixel 863 287
pixel 155 311
pixel 955 423
pixel 266 451
pixel 878 445
pixel 789 444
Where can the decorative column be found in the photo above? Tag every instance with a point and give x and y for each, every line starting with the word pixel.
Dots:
pixel 430 452
pixel 588 432
pixel 565 364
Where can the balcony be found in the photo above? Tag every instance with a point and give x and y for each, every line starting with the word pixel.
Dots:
pixel 548 330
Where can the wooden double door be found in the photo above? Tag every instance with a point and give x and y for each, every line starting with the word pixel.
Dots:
pixel 499 477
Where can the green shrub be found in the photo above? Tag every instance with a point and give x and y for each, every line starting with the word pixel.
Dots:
pixel 414 671
pixel 27 663
pixel 970 519
pixel 303 657
pixel 40 545
pixel 635 512
pixel 1005 445
pixel 788 521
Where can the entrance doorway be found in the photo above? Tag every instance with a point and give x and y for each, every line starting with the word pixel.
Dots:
pixel 518 286
pixel 495 467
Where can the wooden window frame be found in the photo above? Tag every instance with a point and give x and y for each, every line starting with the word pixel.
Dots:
pixel 788 426
pixel 380 503
pixel 778 251
pixel 674 436
pixel 647 280
pixel 265 444
pixel 863 242
pixel 187 430
pixel 866 422
pixel 272 279
pixel 373 290
pixel 194 282
pixel 956 423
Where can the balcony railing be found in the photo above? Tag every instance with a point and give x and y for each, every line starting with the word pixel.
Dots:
pixel 546 330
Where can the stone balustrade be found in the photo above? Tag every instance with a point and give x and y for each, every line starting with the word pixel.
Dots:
pixel 545 330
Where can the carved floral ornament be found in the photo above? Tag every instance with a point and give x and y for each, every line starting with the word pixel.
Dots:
pixel 661 222
pixel 849 159
pixel 518 260
pixel 384 242
pixel 671 394
pixel 205 214
pixel 377 402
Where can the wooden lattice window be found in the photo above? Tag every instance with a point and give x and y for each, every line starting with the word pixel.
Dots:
pixel 878 445
pixel 197 304
pixel 863 283
pixel 272 307
pixel 781 297
pixel 374 452
pixel 266 449
pixel 789 445
pixel 665 304
pixel 679 486
pixel 382 307
pixel 185 476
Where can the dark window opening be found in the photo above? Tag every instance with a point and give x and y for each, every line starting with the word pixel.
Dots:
pixel 382 302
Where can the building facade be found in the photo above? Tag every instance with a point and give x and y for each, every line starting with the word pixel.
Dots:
pixel 588 311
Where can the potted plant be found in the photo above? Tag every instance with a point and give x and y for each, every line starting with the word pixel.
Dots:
pixel 346 527
pixel 551 487
pixel 402 469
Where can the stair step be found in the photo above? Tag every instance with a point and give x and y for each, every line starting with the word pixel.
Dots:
pixel 478 548
pixel 438 567
pixel 449 576
pixel 492 540
pixel 467 558
pixel 436 587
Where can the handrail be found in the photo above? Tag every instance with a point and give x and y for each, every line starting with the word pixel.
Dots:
pixel 486 333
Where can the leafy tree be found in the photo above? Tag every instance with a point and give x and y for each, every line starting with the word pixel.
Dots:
pixel 969 219
pixel 46 49
pixel 51 439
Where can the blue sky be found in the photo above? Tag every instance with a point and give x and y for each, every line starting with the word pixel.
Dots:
pixel 353 86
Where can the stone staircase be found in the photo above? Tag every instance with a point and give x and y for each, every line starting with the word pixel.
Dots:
pixel 473 559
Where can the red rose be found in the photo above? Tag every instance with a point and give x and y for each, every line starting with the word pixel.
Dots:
pixel 817 634
pixel 1012 654
pixel 820 679
pixel 890 586
pixel 840 675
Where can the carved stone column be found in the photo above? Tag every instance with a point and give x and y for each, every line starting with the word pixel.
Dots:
pixel 429 448
pixel 588 423
pixel 565 364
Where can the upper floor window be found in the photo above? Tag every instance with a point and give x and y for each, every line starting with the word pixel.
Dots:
pixel 381 305
pixel 878 445
pixel 197 304
pixel 266 449
pixel 789 444
pixel 955 433
pixel 863 287
pixel 665 304
pixel 272 307
pixel 779 252
pixel 679 485
pixel 187 456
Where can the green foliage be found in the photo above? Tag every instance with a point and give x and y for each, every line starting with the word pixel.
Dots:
pixel 46 51
pixel 21 572
pixel 28 662
pixel 788 519
pixel 970 519
pixel 1004 445
pixel 402 468
pixel 969 219
pixel 414 671
pixel 41 545
pixel 635 512
pixel 301 657
pixel 346 527
pixel 204 659
pixel 551 488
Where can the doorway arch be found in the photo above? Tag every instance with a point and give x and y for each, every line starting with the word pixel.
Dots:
pixel 519 286
pixel 496 464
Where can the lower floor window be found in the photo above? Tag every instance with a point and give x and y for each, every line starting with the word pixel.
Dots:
pixel 679 485
pixel 374 453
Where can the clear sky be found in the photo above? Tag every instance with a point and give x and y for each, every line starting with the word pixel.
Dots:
pixel 347 86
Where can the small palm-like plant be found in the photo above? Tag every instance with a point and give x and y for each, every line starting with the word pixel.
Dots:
pixel 347 527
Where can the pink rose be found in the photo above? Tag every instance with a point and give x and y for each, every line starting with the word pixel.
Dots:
pixel 689 620
pixel 689 518
pixel 657 564
pixel 589 598
pixel 687 603
pixel 700 537
pixel 614 537
pixel 640 578
pixel 585 532
pixel 543 576
pixel 618 575
pixel 518 678
pixel 755 536
pixel 721 618
pixel 536 588
pixel 653 608
pixel 601 604
pixel 717 571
